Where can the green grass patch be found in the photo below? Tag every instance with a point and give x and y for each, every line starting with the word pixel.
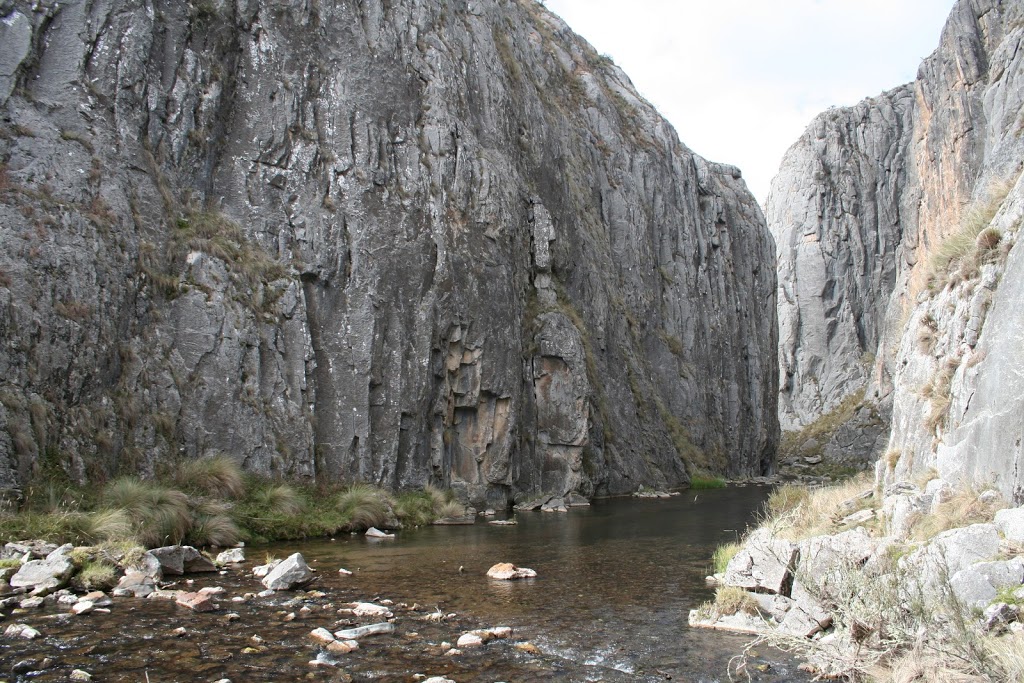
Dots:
pixel 698 482
pixel 723 554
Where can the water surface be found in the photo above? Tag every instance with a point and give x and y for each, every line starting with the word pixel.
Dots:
pixel 616 581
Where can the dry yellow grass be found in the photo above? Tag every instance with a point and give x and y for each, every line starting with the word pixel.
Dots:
pixel 962 509
pixel 730 600
pixel 820 510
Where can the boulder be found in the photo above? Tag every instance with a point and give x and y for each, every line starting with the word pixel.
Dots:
pixel 341 647
pixel 374 532
pixel 197 602
pixel 181 559
pixel 35 550
pixel 260 571
pixel 469 640
pixel 232 556
pixel 950 552
pixel 824 557
pixel 764 564
pixel 322 636
pixel 21 631
pixel 136 583
pixel 1011 524
pixel 47 575
pixel 506 571
pixel 741 622
pixel 978 585
pixel 290 573
pixel 97 598
pixel 368 609
pixel 83 607
pixel 997 616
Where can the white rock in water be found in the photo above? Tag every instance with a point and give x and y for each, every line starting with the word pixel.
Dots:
pixel 344 572
pixel 233 556
pixel 321 635
pixel 291 572
pixel 469 640
pixel 80 675
pixel 374 532
pixel 261 570
pixel 507 571
pixel 83 607
pixel 368 609
pixel 361 631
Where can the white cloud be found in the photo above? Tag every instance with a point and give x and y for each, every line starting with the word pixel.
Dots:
pixel 741 79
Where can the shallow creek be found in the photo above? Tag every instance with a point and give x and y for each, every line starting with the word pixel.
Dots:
pixel 615 583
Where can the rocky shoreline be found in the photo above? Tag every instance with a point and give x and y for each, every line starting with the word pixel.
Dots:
pixel 43 594
pixel 860 580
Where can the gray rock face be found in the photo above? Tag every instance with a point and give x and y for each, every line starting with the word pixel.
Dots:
pixel 390 242
pixel 862 204
pixel 838 211
pixel 764 564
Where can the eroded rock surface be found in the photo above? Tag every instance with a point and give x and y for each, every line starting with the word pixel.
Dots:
pixel 865 205
pixel 393 242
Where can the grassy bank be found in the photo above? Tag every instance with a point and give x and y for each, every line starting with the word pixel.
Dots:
pixel 210 501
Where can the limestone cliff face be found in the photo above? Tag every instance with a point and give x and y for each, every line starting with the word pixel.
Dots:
pixel 395 242
pixel 875 210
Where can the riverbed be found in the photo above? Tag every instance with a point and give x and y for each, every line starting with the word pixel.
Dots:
pixel 615 583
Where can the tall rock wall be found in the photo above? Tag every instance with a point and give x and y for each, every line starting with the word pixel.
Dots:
pixel 883 284
pixel 395 242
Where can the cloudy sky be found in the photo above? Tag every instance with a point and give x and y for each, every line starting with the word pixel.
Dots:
pixel 741 79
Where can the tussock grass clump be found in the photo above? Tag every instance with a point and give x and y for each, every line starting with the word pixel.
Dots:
pixel 96 575
pixel 282 499
pixel 219 477
pixel 450 509
pixel 365 507
pixel 785 499
pixel 213 529
pixel 959 255
pixel 158 514
pixel 730 600
pixel 419 508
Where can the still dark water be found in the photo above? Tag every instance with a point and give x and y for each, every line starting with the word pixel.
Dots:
pixel 615 583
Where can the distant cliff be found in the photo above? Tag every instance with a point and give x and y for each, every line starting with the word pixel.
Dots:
pixel 887 283
pixel 395 242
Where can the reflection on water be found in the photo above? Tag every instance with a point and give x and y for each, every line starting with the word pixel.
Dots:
pixel 615 583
